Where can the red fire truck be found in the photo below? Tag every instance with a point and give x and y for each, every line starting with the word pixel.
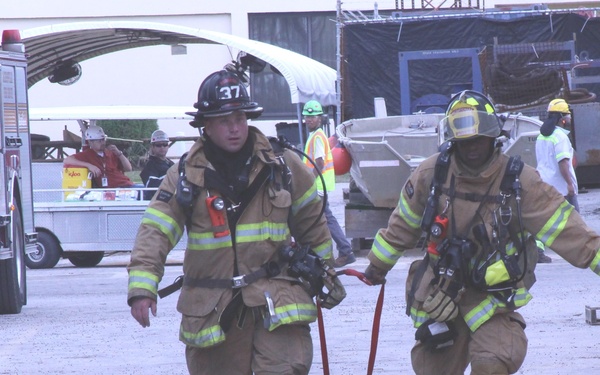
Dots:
pixel 17 233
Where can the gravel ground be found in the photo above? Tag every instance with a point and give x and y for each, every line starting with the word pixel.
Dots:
pixel 77 321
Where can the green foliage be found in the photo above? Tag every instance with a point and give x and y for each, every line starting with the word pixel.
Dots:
pixel 135 130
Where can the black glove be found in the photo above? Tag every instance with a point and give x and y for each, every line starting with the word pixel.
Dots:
pixel 375 274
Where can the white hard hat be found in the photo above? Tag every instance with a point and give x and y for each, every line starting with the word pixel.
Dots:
pixel 93 133
pixel 159 136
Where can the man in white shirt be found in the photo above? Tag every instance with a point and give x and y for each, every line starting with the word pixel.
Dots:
pixel 554 153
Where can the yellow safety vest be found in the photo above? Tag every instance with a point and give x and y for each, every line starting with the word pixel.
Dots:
pixel 328 171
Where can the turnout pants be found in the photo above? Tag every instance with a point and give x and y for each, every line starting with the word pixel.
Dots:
pixel 250 348
pixel 498 347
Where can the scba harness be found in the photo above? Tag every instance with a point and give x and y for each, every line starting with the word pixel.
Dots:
pixel 496 268
pixel 318 278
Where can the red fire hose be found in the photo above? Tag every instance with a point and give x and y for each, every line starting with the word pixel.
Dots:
pixel 376 323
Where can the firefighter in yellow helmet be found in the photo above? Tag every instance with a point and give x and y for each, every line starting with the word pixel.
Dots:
pixel 317 148
pixel 481 213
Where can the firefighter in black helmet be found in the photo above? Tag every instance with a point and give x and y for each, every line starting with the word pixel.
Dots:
pixel 221 94
pixel 243 312
pixel 481 213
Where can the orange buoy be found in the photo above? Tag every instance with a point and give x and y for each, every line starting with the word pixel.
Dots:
pixel 332 141
pixel 342 161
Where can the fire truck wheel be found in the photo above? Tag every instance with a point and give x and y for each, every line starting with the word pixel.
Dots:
pixel 47 254
pixel 13 287
pixel 87 259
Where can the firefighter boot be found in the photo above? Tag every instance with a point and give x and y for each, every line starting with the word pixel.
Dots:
pixel 542 257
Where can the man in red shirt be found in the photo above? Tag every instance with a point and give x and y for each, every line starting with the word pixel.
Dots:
pixel 107 164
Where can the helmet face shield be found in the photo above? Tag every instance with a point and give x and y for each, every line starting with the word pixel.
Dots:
pixel 470 114
pixel 463 122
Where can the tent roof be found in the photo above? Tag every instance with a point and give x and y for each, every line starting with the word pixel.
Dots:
pixel 307 79
pixel 110 112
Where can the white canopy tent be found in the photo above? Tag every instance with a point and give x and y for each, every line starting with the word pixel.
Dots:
pixel 49 46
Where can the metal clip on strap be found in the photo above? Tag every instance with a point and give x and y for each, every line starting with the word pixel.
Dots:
pixel 239 282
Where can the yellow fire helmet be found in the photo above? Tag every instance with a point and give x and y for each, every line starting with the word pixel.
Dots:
pixel 559 105
pixel 470 114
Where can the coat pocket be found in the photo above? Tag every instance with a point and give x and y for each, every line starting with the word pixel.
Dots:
pixel 200 309
pixel 195 301
pixel 422 288
pixel 201 332
pixel 291 304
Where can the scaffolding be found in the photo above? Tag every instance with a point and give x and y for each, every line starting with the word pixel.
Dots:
pixel 554 66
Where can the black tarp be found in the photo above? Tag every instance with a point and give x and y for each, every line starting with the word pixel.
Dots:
pixel 370 53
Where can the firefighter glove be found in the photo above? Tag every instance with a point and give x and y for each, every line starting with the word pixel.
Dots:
pixel 442 304
pixel 336 291
pixel 375 274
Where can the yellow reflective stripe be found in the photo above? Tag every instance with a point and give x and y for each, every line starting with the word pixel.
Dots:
pixel 510 248
pixel 310 196
pixel 143 280
pixel 207 241
pixel 325 250
pixel 302 312
pixel 551 138
pixel 482 312
pixel 555 225
pixel 554 140
pixel 595 265
pixel 539 244
pixel 329 177
pixel 164 223
pixel 418 317
pixel 265 230
pixel 328 166
pixel 489 109
pixel 411 218
pixel 384 251
pixel 207 337
pixel 563 155
pixel 486 309
pixel 522 297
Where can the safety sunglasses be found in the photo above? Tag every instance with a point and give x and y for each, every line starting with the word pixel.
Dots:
pixel 160 144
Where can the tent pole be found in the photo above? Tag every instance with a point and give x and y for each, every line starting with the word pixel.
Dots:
pixel 338 62
pixel 299 112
